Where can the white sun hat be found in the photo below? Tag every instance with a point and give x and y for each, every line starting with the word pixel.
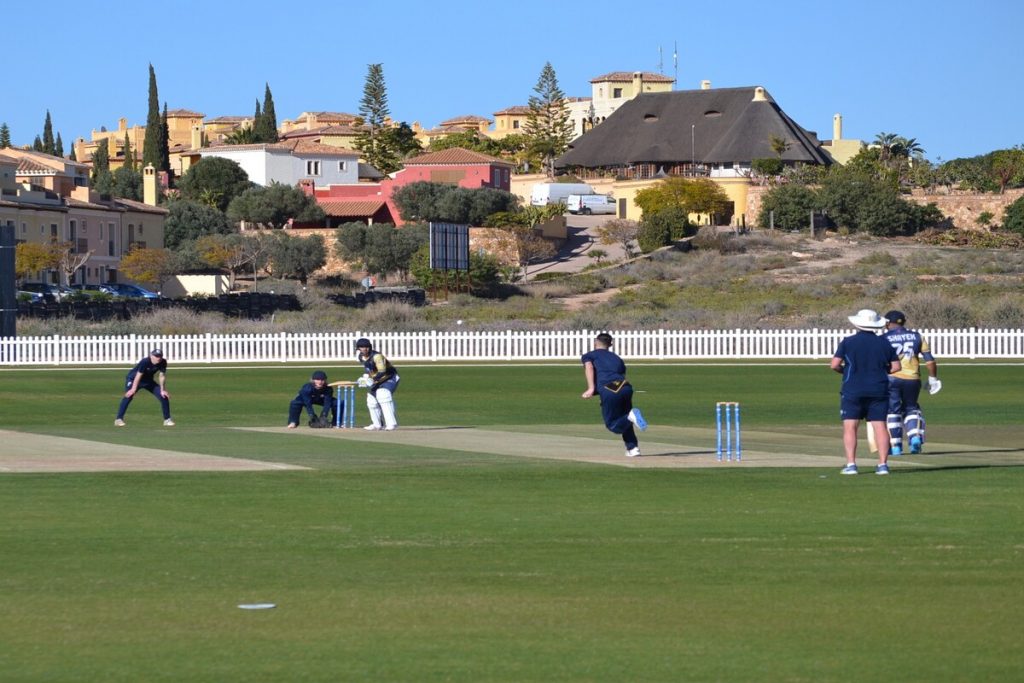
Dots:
pixel 868 320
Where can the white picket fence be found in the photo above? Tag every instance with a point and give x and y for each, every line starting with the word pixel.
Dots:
pixel 481 346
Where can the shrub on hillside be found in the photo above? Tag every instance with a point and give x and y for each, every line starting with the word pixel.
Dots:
pixel 1013 217
pixel 792 206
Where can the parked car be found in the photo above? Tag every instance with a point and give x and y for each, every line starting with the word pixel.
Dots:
pixel 134 291
pixel 50 291
pixel 590 203
pixel 31 297
pixel 92 289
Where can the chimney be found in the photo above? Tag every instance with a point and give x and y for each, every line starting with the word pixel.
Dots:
pixel 837 127
pixel 149 185
pixel 122 124
pixel 705 85
pixel 638 83
pixel 197 136
pixel 759 95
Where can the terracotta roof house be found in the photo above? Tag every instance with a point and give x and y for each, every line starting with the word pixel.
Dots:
pixel 712 132
pixel 455 166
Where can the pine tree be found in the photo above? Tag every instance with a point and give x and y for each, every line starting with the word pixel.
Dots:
pixel 164 142
pixel 5 135
pixel 548 129
pixel 37 144
pixel 268 122
pixel 48 146
pixel 374 112
pixel 129 155
pixel 58 147
pixel 151 143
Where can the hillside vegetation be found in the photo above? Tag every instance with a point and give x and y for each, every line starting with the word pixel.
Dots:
pixel 756 280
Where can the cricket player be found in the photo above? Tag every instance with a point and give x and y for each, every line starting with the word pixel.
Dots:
pixel 150 374
pixel 905 416
pixel 865 360
pixel 315 392
pixel 606 376
pixel 381 380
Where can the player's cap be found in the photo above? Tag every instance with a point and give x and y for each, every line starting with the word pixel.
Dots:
pixel 896 317
pixel 866 319
pixel 363 343
pixel 157 353
pixel 320 374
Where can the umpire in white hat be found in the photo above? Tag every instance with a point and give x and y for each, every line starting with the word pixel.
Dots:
pixel 865 360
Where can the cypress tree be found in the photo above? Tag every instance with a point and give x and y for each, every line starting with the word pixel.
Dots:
pixel 100 160
pixel 37 145
pixel 129 155
pixel 257 122
pixel 73 156
pixel 164 142
pixel 269 120
pixel 5 135
pixel 48 145
pixel 58 147
pixel 154 127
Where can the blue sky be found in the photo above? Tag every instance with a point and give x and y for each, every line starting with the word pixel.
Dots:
pixel 946 73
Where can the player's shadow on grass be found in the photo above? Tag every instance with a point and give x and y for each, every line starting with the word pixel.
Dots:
pixel 970 453
pixel 678 455
pixel 947 468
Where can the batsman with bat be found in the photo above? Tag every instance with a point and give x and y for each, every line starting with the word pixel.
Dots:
pixel 905 417
pixel 381 381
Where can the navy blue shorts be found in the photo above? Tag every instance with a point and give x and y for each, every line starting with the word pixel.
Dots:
pixel 871 408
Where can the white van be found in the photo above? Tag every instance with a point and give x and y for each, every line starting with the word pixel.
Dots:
pixel 555 193
pixel 590 203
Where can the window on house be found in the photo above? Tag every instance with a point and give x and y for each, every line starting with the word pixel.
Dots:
pixel 616 93
pixel 110 248
pixel 342 166
pixel 312 168
pixel 140 228
pixel 515 124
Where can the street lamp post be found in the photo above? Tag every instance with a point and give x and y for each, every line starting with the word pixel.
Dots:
pixel 693 155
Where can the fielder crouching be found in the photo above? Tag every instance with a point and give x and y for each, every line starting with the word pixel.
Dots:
pixel 381 381
pixel 315 392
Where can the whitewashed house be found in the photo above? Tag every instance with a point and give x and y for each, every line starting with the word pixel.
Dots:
pixel 292 162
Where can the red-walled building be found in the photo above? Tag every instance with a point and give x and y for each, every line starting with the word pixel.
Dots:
pixel 454 166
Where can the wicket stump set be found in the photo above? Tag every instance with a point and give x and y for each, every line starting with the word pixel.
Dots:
pixel 345 405
pixel 732 426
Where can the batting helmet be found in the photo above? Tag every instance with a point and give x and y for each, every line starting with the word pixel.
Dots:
pixel 363 343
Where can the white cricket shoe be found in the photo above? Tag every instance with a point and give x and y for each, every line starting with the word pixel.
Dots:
pixel 168 422
pixel 637 418
pixel 119 422
pixel 390 429
pixel 633 452
pixel 371 428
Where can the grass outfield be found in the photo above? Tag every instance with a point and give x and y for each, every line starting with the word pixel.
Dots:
pixel 399 562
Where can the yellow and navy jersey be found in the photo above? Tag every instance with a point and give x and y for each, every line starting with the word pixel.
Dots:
pixel 911 347
pixel 378 367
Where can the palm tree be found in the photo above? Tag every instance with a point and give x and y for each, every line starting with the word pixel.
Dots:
pixel 779 145
pixel 243 135
pixel 885 142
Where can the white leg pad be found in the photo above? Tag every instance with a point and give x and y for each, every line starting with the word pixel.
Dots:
pixel 387 407
pixel 894 422
pixel 373 406
pixel 913 424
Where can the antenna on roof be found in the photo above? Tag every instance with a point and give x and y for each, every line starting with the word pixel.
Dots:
pixel 675 64
pixel 661 68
